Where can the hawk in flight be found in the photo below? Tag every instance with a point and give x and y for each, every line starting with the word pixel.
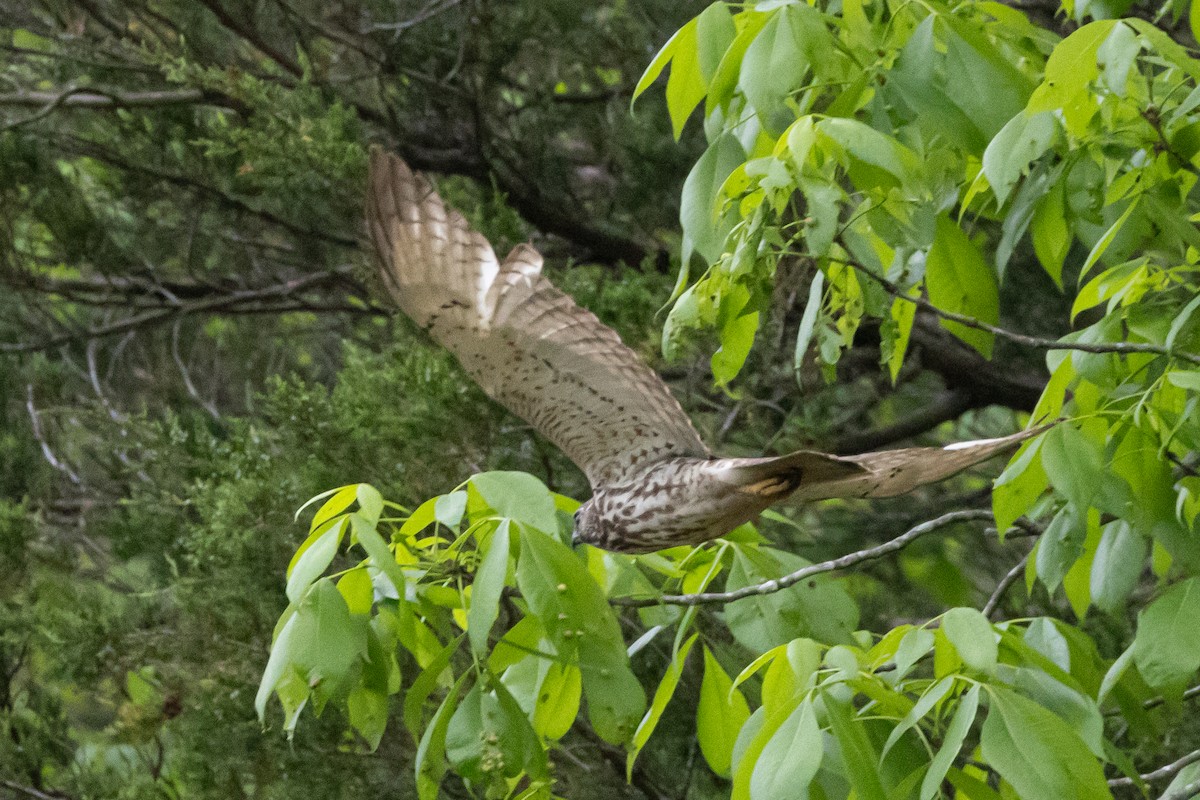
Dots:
pixel 654 482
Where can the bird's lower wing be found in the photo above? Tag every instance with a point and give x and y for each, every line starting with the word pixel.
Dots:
pixel 892 472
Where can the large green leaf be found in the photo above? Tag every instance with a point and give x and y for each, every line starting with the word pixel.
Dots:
pixel 956 734
pixel 959 280
pixel 818 608
pixel 577 619
pixel 1037 753
pixel 1166 648
pixel 720 716
pixel 520 497
pixel 791 758
pixel 486 589
pixel 973 638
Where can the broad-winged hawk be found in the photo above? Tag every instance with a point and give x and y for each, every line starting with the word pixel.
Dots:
pixel 654 482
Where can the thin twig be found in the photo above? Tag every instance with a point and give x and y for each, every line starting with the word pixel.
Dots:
pixel 777 584
pixel 230 302
pixel 74 97
pixel 1162 772
pixel 36 427
pixel 1007 581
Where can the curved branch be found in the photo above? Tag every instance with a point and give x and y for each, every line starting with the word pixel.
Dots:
pixel 777 584
pixel 1162 772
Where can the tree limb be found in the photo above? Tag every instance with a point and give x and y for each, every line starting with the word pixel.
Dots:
pixel 843 562
pixel 1162 772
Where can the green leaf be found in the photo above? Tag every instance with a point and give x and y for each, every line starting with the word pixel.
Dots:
pixel 1104 241
pixel 382 558
pixel 952 743
pixel 702 231
pixel 959 280
pixel 808 322
pixel 423 686
pixel 791 758
pixel 663 57
pixel 1166 647
pixel 579 622
pixel 367 710
pixel 370 501
pixel 1019 486
pixel 1069 70
pixel 486 589
pixel 557 700
pixel 1117 566
pixel 1037 753
pixel 357 590
pixel 1051 233
pixel 817 608
pixel 448 509
pixel 1018 144
pixel 315 560
pixel 720 716
pixel 857 752
pixel 685 85
pixel 973 638
pixel 429 764
pixel 662 696
pixel 279 661
pixel 864 143
pixel 932 696
pixel 345 496
pixel 518 496
pixel 715 32
pixel 327 641
pixel 904 314
pixel 737 337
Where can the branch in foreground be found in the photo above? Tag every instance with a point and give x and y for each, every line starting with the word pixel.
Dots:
pixel 848 560
pixel 1162 772
pixel 1021 338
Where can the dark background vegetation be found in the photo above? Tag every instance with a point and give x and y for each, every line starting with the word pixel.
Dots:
pixel 191 346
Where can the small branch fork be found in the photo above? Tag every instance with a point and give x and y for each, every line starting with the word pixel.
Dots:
pixel 843 562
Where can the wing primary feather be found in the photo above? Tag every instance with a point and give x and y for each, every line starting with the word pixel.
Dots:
pixel 524 341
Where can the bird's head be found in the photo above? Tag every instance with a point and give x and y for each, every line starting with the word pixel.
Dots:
pixel 588 529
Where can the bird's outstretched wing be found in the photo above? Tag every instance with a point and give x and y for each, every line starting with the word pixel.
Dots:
pixel 891 472
pixel 526 343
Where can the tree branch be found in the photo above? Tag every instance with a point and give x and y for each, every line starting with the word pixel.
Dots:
pixel 240 301
pixel 1123 348
pixel 942 408
pixel 1162 772
pixel 777 584
pixel 115 98
pixel 1003 586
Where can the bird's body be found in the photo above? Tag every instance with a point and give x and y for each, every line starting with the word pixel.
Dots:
pixel 655 484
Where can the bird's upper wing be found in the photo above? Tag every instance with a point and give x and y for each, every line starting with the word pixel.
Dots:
pixel 526 343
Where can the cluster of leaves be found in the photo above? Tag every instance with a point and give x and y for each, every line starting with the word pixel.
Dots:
pixel 925 152
pixel 906 155
pixel 509 633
